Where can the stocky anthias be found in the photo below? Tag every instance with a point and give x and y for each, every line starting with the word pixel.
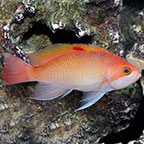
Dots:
pixel 61 68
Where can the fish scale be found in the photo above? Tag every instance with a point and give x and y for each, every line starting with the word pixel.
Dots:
pixel 73 68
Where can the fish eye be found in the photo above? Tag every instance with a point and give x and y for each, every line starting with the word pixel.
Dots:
pixel 126 70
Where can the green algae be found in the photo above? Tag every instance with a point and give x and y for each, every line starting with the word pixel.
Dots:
pixel 71 9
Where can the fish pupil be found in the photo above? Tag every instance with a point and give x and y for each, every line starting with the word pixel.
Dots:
pixel 126 71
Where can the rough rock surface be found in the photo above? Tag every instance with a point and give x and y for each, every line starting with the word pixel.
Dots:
pixel 34 24
pixel 136 57
pixel 132 26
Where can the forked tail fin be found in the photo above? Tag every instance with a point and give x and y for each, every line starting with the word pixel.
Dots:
pixel 15 70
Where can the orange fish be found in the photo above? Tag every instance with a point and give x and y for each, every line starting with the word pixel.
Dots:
pixel 61 68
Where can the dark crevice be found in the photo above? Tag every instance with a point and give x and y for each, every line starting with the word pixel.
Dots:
pixel 136 4
pixel 60 36
pixel 132 132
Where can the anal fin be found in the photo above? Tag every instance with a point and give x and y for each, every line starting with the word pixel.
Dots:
pixel 45 91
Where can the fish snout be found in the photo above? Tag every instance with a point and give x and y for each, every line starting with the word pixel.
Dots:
pixel 125 81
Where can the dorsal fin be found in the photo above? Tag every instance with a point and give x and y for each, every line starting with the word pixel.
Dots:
pixel 53 51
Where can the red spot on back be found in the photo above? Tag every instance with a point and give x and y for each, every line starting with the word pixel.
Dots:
pixel 78 48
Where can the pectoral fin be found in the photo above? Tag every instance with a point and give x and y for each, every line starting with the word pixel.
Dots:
pixel 90 98
pixel 46 91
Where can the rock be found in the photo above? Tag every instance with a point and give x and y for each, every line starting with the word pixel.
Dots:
pixel 137 29
pixel 136 56
pixel 132 28
pixel 30 27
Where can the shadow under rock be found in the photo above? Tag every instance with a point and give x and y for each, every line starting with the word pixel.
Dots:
pixel 59 36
